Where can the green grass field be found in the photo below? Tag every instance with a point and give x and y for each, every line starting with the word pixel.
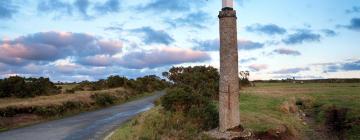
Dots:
pixel 271 106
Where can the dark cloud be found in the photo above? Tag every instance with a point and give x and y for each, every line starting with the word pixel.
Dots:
pixel 329 33
pixel 197 19
pixel 345 66
pixel 56 6
pixel 7 9
pixel 302 36
pixel 109 6
pixel 291 71
pixel 153 58
pixel 97 60
pixel 2 67
pixel 161 57
pixel 285 51
pixel 207 45
pixel 354 24
pixel 258 67
pixel 269 29
pixel 355 9
pixel 152 36
pixel 249 45
pixel 50 46
pixel 167 5
pixel 82 6
pixel 246 60
pixel 214 45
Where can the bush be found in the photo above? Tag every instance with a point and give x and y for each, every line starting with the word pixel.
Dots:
pixel 199 109
pixel 27 87
pixel 203 80
pixel 103 99
pixel 69 91
pixel 140 85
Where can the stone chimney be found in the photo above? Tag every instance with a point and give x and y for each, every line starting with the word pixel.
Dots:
pixel 229 112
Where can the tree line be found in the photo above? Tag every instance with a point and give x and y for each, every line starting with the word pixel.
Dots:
pixel 21 87
pixel 147 83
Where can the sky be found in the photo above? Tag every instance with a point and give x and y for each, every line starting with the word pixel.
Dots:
pixel 75 40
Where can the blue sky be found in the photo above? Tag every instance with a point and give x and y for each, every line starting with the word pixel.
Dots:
pixel 74 40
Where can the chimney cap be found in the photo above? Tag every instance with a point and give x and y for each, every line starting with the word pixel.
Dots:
pixel 227 3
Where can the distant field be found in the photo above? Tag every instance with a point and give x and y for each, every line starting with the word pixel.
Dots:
pixel 274 107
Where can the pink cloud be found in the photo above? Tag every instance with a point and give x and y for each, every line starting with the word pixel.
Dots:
pixel 258 67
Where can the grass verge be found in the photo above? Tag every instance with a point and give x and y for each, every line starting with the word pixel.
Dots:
pixel 266 108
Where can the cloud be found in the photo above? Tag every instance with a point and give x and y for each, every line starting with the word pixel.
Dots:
pixel 269 29
pixel 258 67
pixel 290 70
pixel 285 51
pixel 83 6
pixel 354 24
pixel 2 67
pixel 249 45
pixel 197 19
pixel 152 36
pixel 246 60
pixel 355 9
pixel 50 46
pixel 207 45
pixel 302 36
pixel 344 66
pixel 166 5
pixel 7 9
pixel 214 45
pixel 97 60
pixel 110 6
pixel 55 6
pixel 161 57
pixel 329 33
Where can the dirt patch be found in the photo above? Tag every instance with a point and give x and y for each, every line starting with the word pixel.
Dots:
pixel 280 133
pixel 336 121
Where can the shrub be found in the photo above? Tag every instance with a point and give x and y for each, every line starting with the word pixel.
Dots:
pixel 103 99
pixel 27 87
pixel 199 109
pixel 203 80
pixel 69 91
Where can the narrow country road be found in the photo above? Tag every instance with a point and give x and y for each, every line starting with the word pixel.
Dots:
pixel 87 126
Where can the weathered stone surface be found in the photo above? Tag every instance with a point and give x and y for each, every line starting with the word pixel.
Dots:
pixel 231 135
pixel 229 80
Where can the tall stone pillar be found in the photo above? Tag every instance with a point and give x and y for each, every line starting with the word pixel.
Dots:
pixel 229 80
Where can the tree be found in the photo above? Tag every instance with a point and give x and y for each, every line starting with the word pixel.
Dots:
pixel 27 87
pixel 244 78
pixel 202 79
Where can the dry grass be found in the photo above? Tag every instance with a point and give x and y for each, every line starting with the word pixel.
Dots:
pixel 83 96
pixel 29 111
